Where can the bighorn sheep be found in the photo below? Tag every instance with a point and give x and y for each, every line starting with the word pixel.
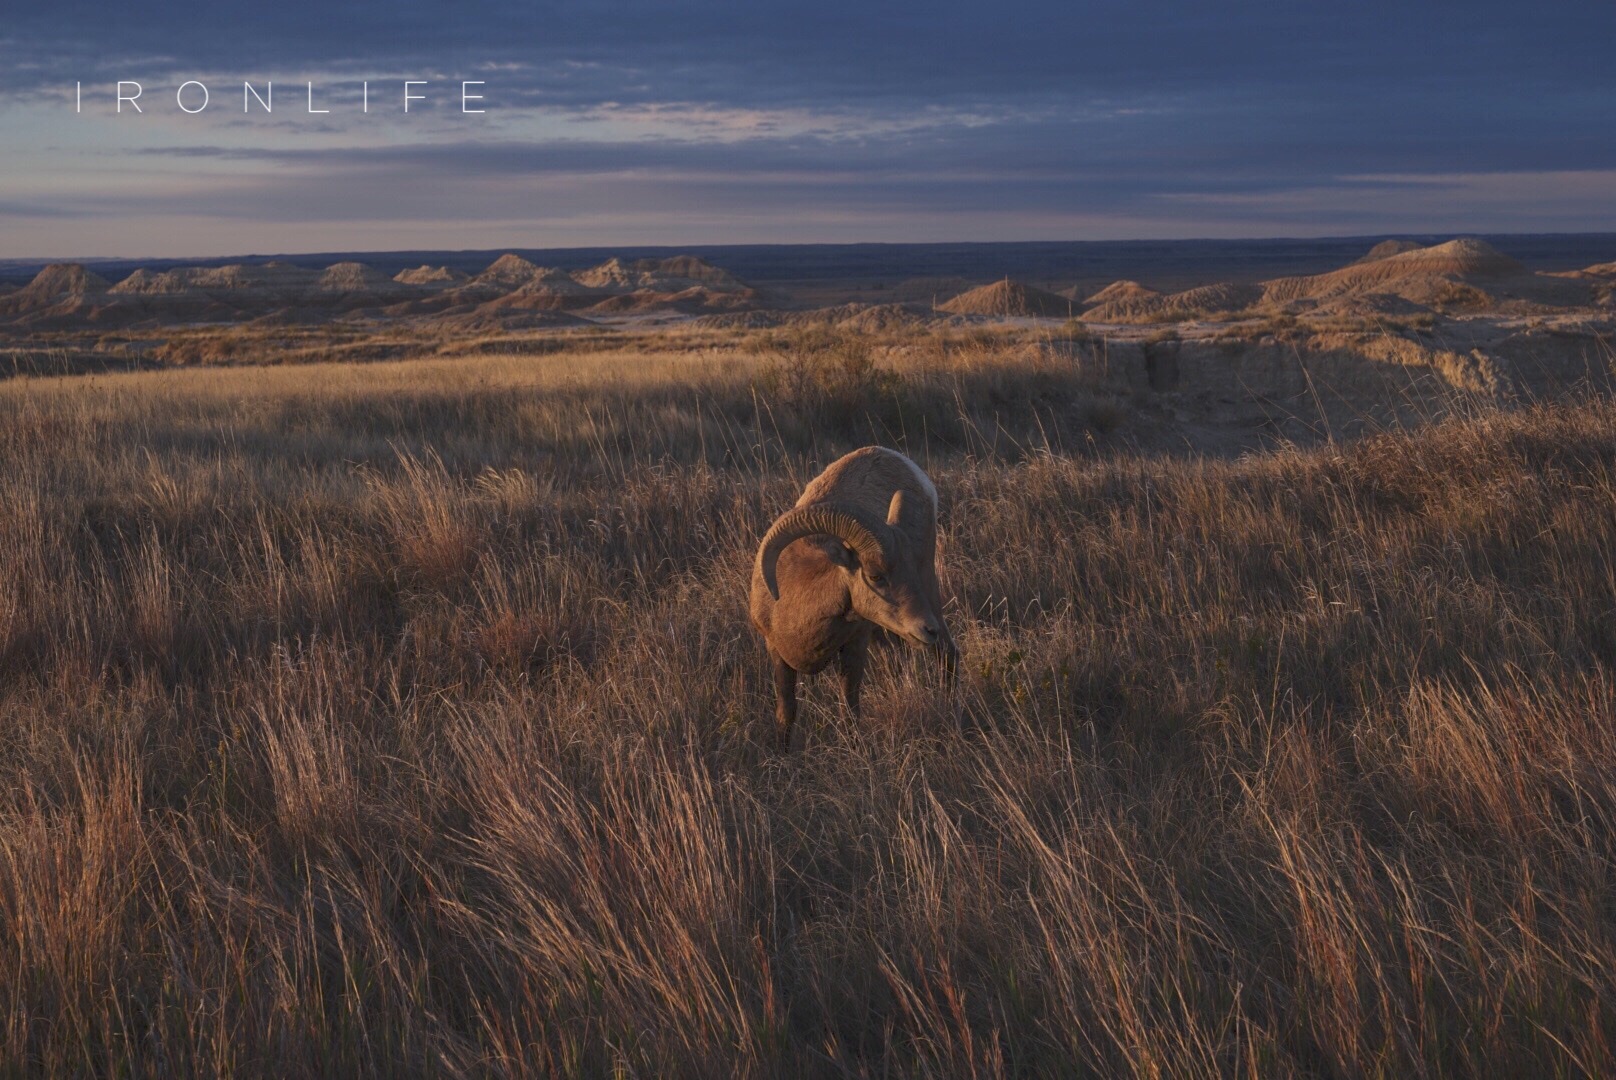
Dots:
pixel 858 552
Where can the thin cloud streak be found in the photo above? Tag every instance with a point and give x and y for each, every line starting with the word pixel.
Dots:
pixel 1040 118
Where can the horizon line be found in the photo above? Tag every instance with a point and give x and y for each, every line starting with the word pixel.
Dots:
pixel 21 261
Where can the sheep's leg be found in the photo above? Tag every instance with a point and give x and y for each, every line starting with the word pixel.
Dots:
pixel 853 657
pixel 785 701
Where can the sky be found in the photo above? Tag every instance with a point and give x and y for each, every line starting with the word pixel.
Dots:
pixel 645 122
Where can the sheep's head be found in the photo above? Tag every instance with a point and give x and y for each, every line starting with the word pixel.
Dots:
pixel 881 569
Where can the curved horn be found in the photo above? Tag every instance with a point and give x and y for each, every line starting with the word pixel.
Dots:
pixel 866 537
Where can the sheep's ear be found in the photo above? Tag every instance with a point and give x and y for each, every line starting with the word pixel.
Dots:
pixel 844 556
pixel 895 508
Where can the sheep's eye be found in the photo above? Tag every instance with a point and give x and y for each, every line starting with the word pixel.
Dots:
pixel 878 580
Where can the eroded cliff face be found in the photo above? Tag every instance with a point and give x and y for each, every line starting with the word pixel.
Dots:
pixel 1304 385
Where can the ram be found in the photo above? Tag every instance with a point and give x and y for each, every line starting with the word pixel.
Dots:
pixel 857 554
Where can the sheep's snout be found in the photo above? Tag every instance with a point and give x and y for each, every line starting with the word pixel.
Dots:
pixel 927 633
pixel 916 625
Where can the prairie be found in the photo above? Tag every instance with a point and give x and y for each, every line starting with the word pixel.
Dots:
pixel 404 719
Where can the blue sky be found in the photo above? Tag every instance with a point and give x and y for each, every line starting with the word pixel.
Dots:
pixel 664 123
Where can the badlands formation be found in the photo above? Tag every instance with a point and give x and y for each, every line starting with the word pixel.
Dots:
pixel 511 293
pixel 1455 279
pixel 1394 337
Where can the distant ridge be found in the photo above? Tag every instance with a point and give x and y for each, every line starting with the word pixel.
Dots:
pixel 1395 277
pixel 511 292
pixel 1166 264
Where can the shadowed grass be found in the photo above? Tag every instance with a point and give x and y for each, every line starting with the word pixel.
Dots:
pixel 405 719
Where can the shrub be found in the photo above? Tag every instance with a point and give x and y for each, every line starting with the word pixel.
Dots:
pixel 817 367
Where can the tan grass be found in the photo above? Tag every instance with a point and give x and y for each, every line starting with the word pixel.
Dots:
pixel 404 719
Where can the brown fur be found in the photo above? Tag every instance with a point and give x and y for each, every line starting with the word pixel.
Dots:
pixel 829 604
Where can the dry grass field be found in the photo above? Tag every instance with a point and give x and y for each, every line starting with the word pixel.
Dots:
pixel 404 719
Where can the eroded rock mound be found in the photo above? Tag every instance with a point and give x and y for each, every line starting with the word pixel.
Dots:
pixel 513 271
pixel 429 275
pixel 59 282
pixel 355 277
pixel 1386 249
pixel 1145 306
pixel 888 318
pixel 739 320
pixel 1460 274
pixel 1010 299
pixel 60 293
pixel 510 291
pixel 671 275
pixel 1121 292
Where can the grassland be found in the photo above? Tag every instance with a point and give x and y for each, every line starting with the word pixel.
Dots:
pixel 404 719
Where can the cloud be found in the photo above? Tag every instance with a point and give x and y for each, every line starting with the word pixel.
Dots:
pixel 12 209
pixel 1371 55
pixel 1177 114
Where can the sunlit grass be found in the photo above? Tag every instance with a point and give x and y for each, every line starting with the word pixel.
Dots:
pixel 403 718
